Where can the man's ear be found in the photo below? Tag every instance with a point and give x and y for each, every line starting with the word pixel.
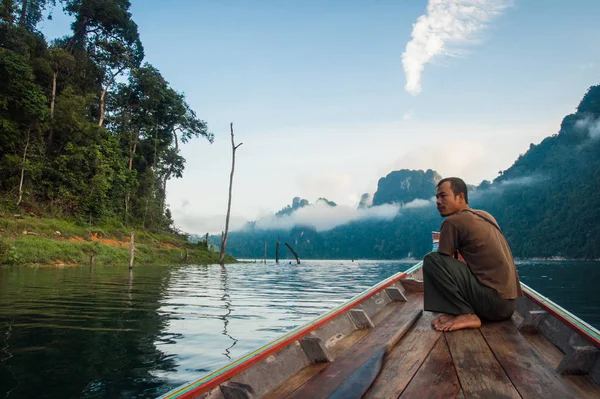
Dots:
pixel 461 196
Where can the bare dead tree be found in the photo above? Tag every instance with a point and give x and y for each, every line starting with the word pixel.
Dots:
pixel 23 167
pixel 293 252
pixel 224 234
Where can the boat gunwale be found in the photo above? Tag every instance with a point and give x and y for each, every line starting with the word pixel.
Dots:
pixel 575 323
pixel 204 384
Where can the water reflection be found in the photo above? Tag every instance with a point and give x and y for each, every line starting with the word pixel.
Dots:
pixel 107 332
pixel 226 299
pixel 85 332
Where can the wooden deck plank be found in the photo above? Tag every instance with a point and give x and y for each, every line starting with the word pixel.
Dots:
pixel 382 337
pixel 295 382
pixel 527 370
pixel 338 349
pixel 287 387
pixel 405 359
pixel 436 378
pixel 545 348
pixel 479 373
pixel 583 385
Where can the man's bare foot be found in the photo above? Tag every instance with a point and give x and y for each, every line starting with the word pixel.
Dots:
pixel 441 319
pixel 459 322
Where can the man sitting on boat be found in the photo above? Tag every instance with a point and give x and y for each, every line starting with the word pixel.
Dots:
pixel 487 285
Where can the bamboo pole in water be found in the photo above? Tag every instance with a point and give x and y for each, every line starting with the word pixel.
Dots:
pixel 277 251
pixel 131 250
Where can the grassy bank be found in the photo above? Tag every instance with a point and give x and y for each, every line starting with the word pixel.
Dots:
pixel 40 241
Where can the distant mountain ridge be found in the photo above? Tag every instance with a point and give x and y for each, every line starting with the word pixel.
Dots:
pixel 404 186
pixel 547 203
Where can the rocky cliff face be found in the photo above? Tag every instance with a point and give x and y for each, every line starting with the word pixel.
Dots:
pixel 403 186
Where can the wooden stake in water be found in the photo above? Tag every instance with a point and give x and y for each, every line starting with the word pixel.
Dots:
pixel 265 260
pixel 277 251
pixel 131 250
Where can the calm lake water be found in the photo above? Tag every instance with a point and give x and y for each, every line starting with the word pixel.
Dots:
pixel 108 333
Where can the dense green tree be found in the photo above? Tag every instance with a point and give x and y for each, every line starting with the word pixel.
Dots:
pixel 74 138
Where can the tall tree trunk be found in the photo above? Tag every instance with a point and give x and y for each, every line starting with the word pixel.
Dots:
pixel 153 186
pixel 23 166
pixel 102 105
pixel 103 96
pixel 168 175
pixel 52 101
pixel 132 147
pixel 23 20
pixel 70 44
pixel 164 198
pixel 224 235
pixel 53 97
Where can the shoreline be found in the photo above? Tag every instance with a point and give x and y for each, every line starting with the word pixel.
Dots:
pixel 40 242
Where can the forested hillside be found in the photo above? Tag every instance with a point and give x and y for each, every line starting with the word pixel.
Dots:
pixel 88 129
pixel 547 203
pixel 548 200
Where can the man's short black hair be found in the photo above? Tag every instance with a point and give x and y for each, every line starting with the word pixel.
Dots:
pixel 457 185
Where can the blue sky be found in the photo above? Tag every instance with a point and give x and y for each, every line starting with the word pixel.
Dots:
pixel 316 91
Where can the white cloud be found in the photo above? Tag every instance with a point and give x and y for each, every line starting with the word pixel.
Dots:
pixel 458 158
pixel 499 187
pixel 522 181
pixel 419 203
pixel 323 217
pixel 447 25
pixel 591 125
pixel 201 224
pixel 331 184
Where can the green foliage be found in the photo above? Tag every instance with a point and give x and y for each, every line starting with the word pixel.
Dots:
pixel 56 152
pixel 8 254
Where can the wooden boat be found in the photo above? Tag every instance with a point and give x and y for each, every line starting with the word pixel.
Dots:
pixel 380 344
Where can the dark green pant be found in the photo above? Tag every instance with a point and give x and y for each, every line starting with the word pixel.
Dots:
pixel 451 287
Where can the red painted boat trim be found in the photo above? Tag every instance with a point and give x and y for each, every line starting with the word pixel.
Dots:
pixel 214 382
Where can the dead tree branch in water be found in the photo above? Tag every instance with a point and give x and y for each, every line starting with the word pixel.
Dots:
pixel 293 252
